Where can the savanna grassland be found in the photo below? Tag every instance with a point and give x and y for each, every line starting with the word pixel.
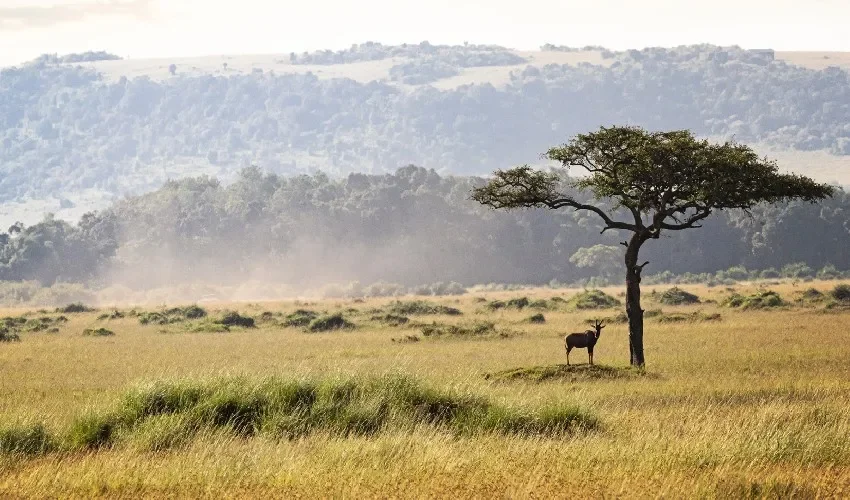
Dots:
pixel 382 400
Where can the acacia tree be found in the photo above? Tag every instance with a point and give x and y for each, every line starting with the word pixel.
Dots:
pixel 658 181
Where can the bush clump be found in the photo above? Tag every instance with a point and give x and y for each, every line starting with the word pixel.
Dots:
pixel 421 307
pixel 7 335
pixel 233 318
pixel 30 439
pixel 392 319
pixel 690 317
pixel 676 296
pixel 759 300
pixel 172 315
pixel 536 318
pixel 593 299
pixel 299 318
pixel 76 307
pixel 97 332
pixel 330 322
pixel 114 314
pixel 841 293
pixel 170 414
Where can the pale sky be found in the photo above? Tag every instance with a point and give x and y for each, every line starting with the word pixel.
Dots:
pixel 163 28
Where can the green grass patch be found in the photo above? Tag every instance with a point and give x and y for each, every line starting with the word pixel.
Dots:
pixel 571 373
pixel 167 415
pixel 233 318
pixel 593 299
pixel 676 297
pixel 76 307
pixel 538 318
pixel 172 315
pixel 329 323
pixel 24 440
pixel 97 332
pixel 300 318
pixel 421 307
pixel 760 300
pixel 391 319
pixel 693 317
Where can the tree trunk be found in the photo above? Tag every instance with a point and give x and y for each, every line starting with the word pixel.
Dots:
pixel 633 309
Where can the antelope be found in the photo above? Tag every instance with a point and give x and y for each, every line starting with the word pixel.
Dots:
pixel 586 339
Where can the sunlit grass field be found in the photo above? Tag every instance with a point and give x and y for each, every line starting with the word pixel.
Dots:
pixel 753 404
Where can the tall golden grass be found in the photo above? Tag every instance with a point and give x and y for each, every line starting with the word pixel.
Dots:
pixel 752 405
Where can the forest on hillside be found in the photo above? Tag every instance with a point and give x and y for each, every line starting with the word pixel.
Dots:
pixel 64 127
pixel 410 227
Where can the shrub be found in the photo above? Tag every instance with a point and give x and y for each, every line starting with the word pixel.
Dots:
pixel 76 307
pixel 797 270
pixel 97 332
pixel 676 296
pixel 115 314
pixel 518 303
pixel 233 318
pixel 829 272
pixel 770 274
pixel 30 439
pixel 691 317
pixel 737 273
pixel 421 307
pixel 811 295
pixel 593 299
pixel 172 315
pixel 92 431
pixel 329 322
pixel 841 293
pixel 759 300
pixel 392 319
pixel 536 318
pixel 301 317
pixel 476 329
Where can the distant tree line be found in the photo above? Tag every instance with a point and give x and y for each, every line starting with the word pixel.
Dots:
pixel 410 227
pixel 66 128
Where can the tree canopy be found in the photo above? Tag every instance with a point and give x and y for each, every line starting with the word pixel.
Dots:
pixel 660 181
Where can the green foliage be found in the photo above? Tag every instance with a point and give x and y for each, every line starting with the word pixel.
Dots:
pixel 689 317
pixel 536 318
pixel 421 307
pixel 797 270
pixel 233 318
pixel 330 322
pixel 167 415
pixel 475 329
pixel 593 299
pixel 31 439
pixel 841 293
pixel 7 335
pixel 676 296
pixel 75 308
pixel 564 372
pixel 172 315
pixel 392 319
pixel 97 332
pixel 759 300
pixel 299 318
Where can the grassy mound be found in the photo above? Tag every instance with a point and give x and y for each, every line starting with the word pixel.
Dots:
pixel 233 318
pixel 330 322
pixel 15 325
pixel 477 329
pixel 31 439
pixel 76 307
pixel 97 332
pixel 170 414
pixel 676 296
pixel 301 317
pixel 114 314
pixel 759 300
pixel 7 335
pixel 841 293
pixel 571 373
pixel 593 299
pixel 420 307
pixel 391 319
pixel 536 318
pixel 172 315
pixel 690 317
